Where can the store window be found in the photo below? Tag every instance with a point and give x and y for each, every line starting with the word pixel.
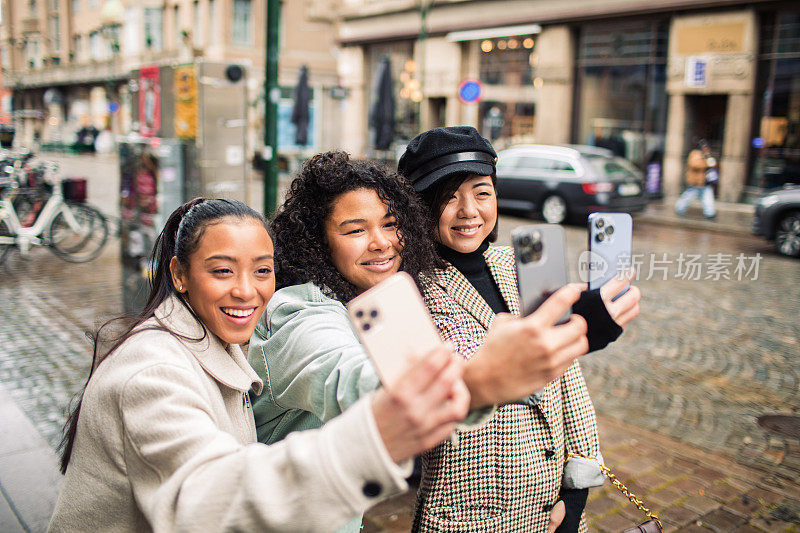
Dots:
pixel 776 136
pixel 407 85
pixel 622 100
pixel 507 66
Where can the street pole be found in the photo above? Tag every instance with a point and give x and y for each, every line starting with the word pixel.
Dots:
pixel 271 97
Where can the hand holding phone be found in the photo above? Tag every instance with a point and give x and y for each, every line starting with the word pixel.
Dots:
pixel 541 260
pixel 610 246
pixel 394 326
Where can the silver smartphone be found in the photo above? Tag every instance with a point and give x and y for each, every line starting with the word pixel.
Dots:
pixel 541 258
pixel 394 325
pixel 610 247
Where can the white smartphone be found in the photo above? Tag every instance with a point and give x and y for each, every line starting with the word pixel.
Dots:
pixel 394 325
pixel 541 260
pixel 610 246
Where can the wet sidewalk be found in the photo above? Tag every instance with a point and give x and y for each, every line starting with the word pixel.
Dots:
pixel 733 219
pixel 690 490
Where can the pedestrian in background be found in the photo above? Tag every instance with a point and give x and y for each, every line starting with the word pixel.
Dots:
pixel 163 438
pixel 702 176
pixel 512 474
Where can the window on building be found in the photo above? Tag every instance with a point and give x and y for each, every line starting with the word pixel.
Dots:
pixel 75 52
pixel 197 29
pixel 97 46
pixel 76 6
pixel 32 53
pixel 53 5
pixel 622 99
pixel 94 4
pixel 154 28
pixel 176 25
pixel 55 34
pixel 240 31
pixel 32 8
pixel 211 26
pixel 776 151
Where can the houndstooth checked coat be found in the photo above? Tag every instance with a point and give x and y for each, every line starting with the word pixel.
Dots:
pixel 506 475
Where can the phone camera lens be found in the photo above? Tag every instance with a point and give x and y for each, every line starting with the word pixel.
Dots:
pixel 537 246
pixel 526 256
pixel 610 230
pixel 365 326
pixel 601 237
pixel 373 313
pixel 600 223
pixel 525 240
pixel 359 313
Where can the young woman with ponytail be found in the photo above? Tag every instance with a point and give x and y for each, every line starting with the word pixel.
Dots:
pixel 163 437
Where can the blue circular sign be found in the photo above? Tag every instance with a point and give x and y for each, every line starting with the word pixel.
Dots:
pixel 470 91
pixel 758 142
pixel 113 107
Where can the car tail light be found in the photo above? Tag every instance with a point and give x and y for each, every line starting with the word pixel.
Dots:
pixel 594 188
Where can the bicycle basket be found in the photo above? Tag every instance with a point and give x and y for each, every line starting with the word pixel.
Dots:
pixel 74 189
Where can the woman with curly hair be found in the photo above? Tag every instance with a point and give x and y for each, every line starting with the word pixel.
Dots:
pixel 345 226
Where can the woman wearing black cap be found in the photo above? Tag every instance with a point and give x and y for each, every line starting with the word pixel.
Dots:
pixel 513 474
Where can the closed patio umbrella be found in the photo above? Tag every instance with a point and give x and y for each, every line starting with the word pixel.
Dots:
pixel 300 111
pixel 381 117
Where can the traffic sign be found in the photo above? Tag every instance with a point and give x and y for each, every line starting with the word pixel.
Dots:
pixel 469 91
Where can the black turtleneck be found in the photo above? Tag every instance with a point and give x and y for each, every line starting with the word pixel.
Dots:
pixel 473 266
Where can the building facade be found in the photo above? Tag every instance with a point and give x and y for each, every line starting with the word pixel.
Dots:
pixel 70 63
pixel 644 79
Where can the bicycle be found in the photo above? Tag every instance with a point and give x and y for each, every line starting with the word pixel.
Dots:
pixel 72 230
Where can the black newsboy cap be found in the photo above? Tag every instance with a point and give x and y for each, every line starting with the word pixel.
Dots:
pixel 441 152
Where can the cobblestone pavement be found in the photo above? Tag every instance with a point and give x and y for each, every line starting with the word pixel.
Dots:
pixel 705 358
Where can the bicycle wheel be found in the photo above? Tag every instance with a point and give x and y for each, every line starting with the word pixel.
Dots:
pixel 84 244
pixel 5 235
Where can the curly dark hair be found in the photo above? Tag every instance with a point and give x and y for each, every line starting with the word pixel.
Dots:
pixel 302 253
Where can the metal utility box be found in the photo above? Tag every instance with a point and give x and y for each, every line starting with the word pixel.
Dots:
pixel 201 104
pixel 156 176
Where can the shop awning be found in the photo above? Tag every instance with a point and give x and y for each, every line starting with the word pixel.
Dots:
pixel 494 33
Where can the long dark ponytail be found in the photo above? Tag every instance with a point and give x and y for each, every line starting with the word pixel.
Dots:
pixel 179 238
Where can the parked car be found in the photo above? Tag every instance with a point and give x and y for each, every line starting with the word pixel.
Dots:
pixel 778 218
pixel 561 182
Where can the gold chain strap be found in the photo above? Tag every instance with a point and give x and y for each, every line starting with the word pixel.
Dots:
pixel 617 483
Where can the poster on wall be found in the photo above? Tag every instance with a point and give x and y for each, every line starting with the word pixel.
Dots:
pixel 149 101
pixel 186 102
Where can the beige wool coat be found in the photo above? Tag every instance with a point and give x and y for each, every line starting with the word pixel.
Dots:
pixel 166 442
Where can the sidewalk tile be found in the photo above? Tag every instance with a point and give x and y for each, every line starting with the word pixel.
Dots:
pixel 688 486
pixel 32 481
pixel 722 491
pixel 665 497
pixel 613 522
pixel 602 505
pixel 768 522
pixel 678 515
pixel 722 521
pixel 694 528
pixel 747 528
pixel 763 495
pixel 8 521
pixel 701 504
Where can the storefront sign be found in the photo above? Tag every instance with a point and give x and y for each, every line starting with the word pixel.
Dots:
pixel 469 91
pixel 149 101
pixel 711 38
pixel 696 71
pixel 185 102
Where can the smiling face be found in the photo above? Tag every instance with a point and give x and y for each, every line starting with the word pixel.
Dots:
pixel 469 216
pixel 362 238
pixel 229 279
